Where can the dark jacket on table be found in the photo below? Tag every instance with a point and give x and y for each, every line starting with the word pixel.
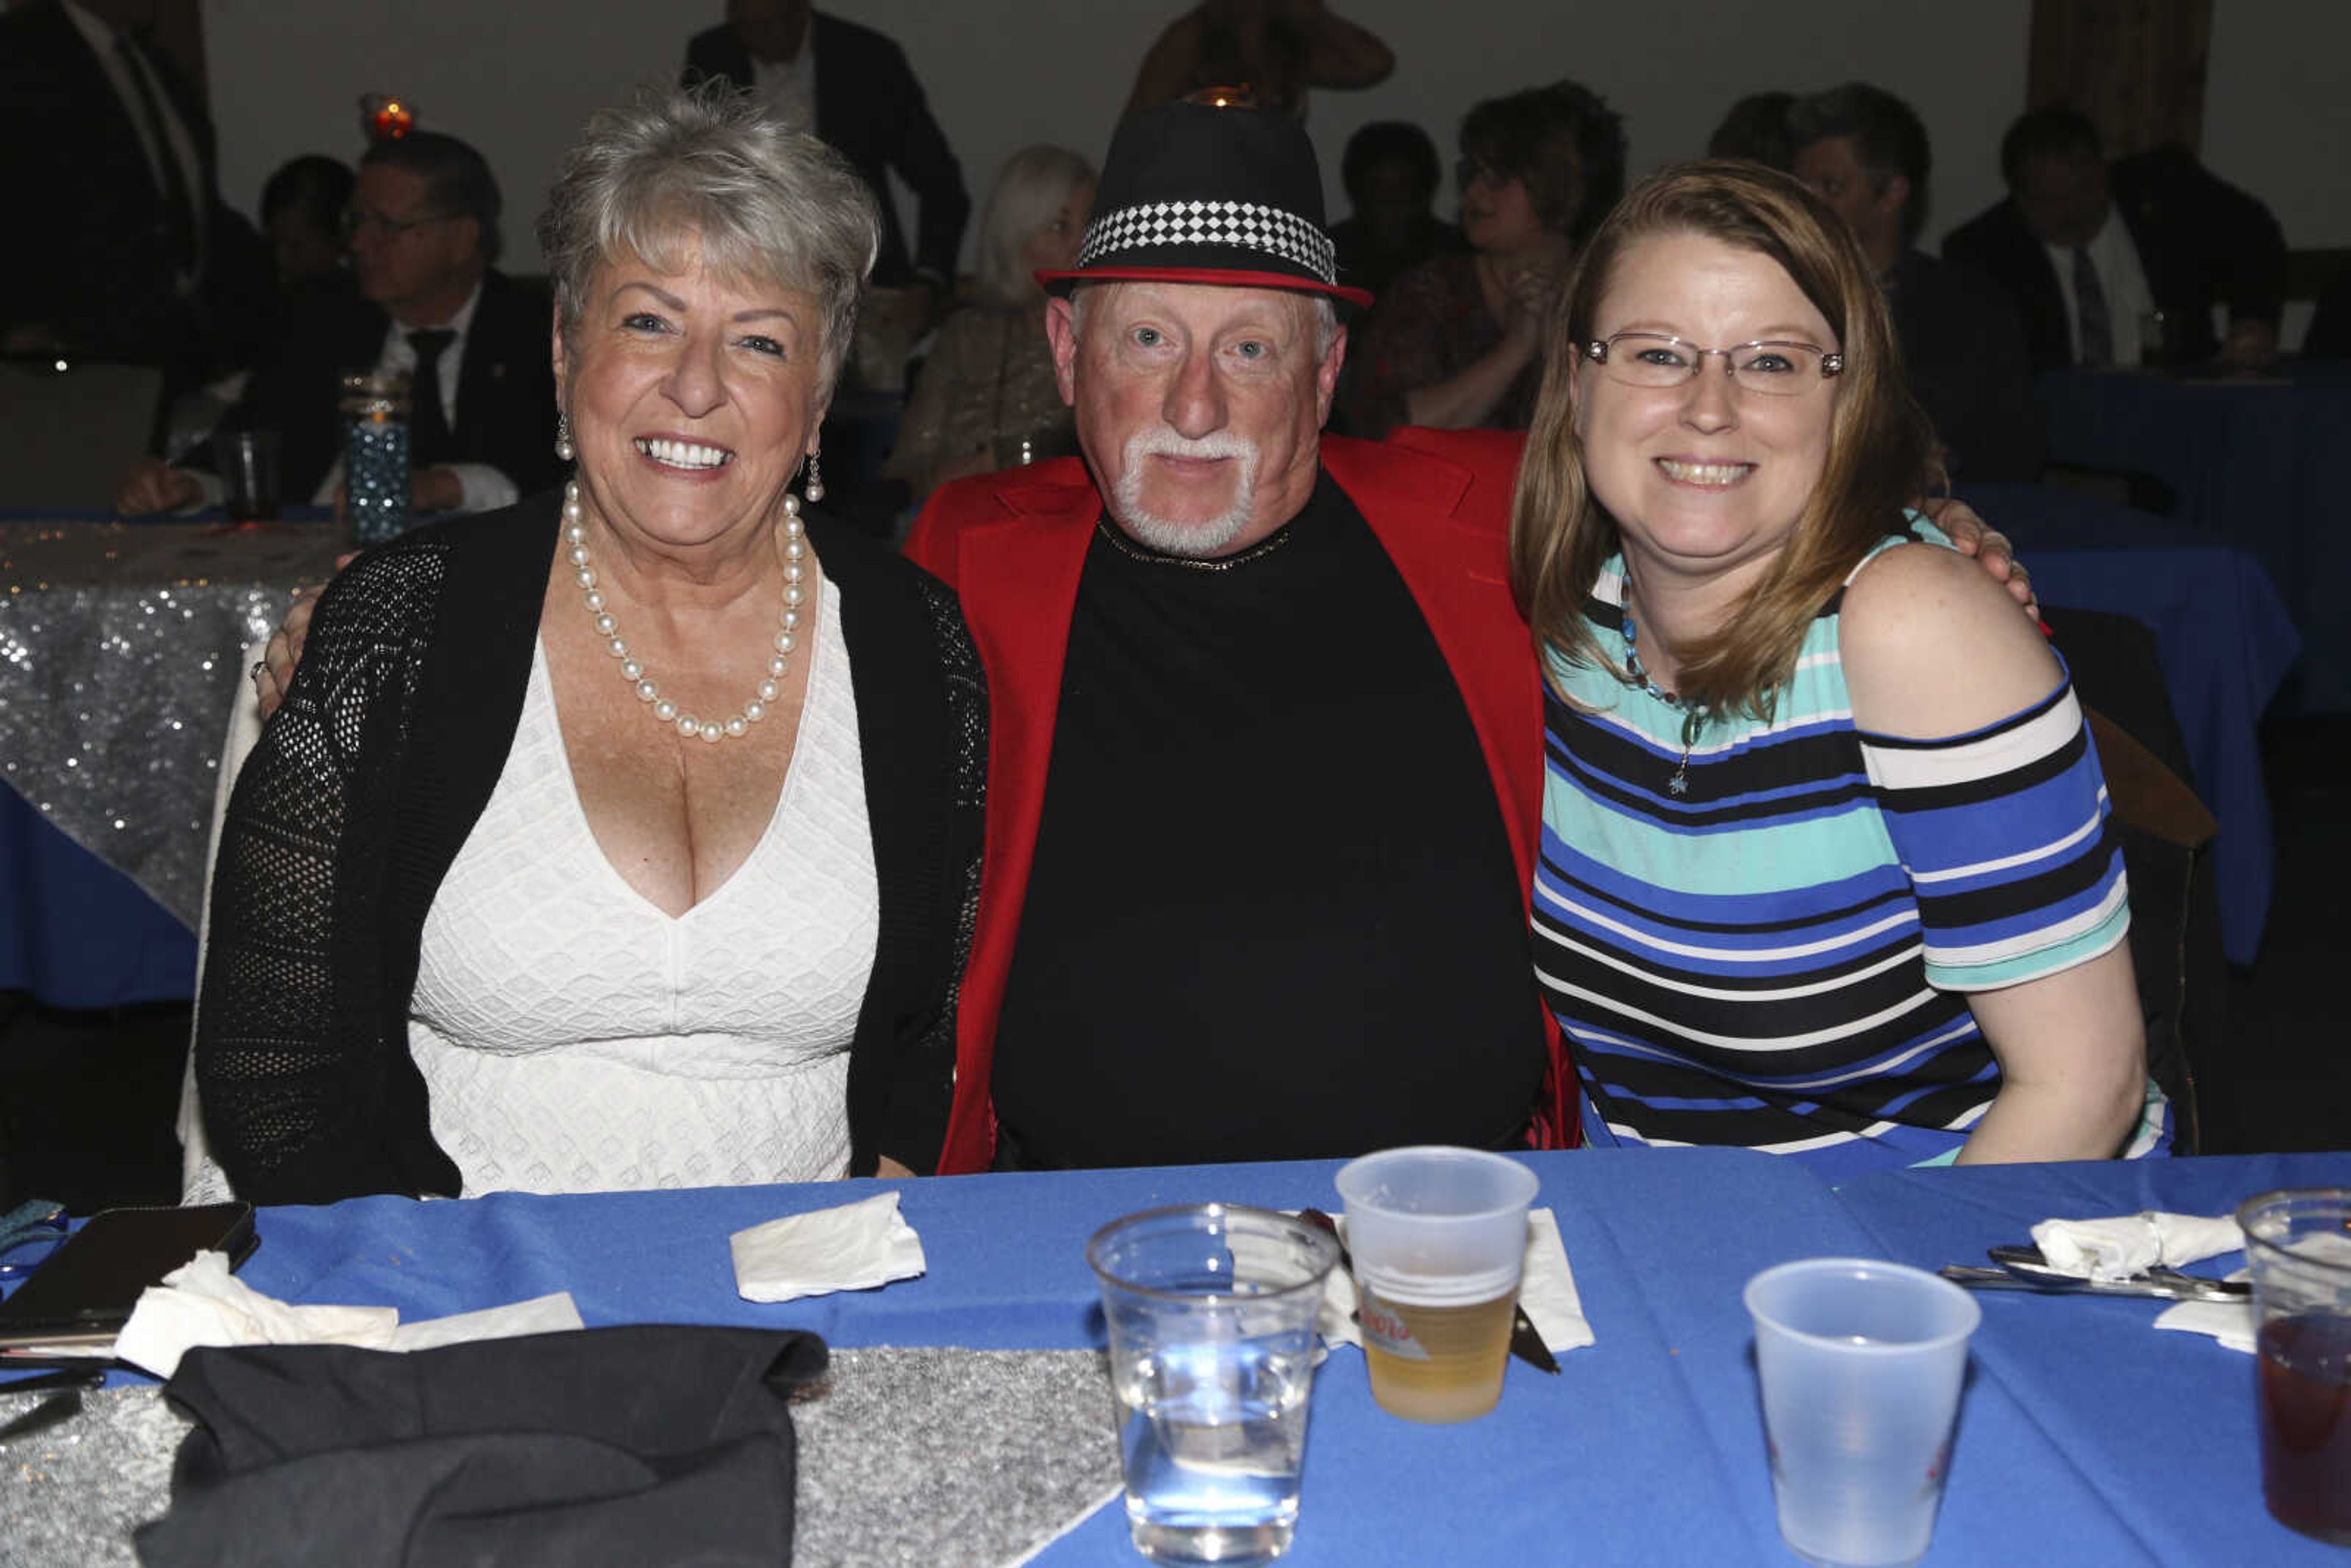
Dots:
pixel 2201 241
pixel 1964 351
pixel 505 385
pixel 870 109
pixel 90 253
pixel 367 783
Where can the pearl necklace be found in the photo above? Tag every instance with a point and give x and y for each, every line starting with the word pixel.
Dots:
pixel 664 711
pixel 1693 717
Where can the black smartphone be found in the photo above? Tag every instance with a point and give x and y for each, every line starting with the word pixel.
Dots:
pixel 84 1292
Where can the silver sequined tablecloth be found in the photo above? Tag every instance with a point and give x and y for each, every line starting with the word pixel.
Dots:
pixel 909 1459
pixel 121 648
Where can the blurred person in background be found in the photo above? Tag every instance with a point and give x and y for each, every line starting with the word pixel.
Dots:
pixel 987 384
pixel 2090 251
pixel 123 250
pixel 1271 51
pixel 1867 152
pixel 302 207
pixel 852 87
pixel 1392 175
pixel 1756 129
pixel 1457 341
pixel 423 233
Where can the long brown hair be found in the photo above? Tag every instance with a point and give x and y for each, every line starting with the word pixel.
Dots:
pixel 1880 454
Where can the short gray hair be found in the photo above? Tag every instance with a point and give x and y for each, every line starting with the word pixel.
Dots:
pixel 1326 315
pixel 1028 193
pixel 711 168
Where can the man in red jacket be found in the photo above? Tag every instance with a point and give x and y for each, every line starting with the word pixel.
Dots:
pixel 1265 760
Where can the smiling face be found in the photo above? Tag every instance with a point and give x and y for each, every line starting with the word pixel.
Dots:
pixel 692 399
pixel 1706 481
pixel 1199 406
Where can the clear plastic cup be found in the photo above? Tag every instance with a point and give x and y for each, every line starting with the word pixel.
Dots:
pixel 1211 1313
pixel 2298 1242
pixel 1439 1237
pixel 1860 1365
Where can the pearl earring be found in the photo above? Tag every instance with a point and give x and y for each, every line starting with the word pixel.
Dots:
pixel 815 486
pixel 563 446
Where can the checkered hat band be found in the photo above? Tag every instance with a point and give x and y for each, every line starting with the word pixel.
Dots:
pixel 1245 226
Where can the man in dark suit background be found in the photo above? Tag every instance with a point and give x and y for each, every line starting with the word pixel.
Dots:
pixel 122 248
pixel 423 231
pixel 851 87
pixel 2088 251
pixel 1865 151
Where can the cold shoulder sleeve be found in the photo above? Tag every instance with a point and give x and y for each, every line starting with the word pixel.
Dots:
pixel 2007 835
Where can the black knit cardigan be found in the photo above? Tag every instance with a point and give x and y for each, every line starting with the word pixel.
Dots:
pixel 365 783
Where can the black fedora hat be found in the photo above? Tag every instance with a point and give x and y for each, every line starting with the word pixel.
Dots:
pixel 1192 194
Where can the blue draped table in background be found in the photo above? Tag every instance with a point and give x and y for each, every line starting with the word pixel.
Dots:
pixel 2254 461
pixel 2087 1435
pixel 2225 638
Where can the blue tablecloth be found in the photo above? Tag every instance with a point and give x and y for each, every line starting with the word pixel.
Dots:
pixel 2087 1437
pixel 2226 641
pixel 2254 462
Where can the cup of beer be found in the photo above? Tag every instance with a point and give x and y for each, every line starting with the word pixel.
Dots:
pixel 1438 1237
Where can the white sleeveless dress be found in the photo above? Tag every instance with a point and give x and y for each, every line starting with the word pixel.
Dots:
pixel 573 1037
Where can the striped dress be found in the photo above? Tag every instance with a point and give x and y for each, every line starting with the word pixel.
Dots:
pixel 1779 957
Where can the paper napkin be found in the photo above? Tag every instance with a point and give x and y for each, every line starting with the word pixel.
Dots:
pixel 200 1302
pixel 2129 1244
pixel 1546 1292
pixel 2231 1323
pixel 854 1247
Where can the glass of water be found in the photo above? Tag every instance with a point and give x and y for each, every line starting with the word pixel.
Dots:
pixel 1211 1313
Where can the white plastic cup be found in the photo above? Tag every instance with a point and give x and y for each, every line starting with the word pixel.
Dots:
pixel 1439 1237
pixel 1860 1364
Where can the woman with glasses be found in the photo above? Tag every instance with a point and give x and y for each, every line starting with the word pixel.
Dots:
pixel 1457 342
pixel 985 398
pixel 1825 865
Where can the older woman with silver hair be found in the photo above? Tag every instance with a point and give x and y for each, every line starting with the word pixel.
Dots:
pixel 626 838
pixel 988 386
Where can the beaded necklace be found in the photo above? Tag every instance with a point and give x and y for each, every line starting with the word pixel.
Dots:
pixel 1693 717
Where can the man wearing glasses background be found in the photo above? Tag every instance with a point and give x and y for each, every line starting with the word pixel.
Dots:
pixel 1865 151
pixel 423 234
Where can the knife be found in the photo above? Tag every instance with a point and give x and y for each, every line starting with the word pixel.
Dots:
pixel 2169 1287
pixel 1526 1341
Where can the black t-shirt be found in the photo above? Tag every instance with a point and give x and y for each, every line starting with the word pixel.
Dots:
pixel 1273 912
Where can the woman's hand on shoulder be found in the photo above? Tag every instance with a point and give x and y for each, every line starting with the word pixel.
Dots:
pixel 1933 646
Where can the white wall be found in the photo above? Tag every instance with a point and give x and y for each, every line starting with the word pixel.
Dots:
pixel 517 77
pixel 2277 119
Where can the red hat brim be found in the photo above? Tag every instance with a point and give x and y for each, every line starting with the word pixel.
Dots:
pixel 1054 282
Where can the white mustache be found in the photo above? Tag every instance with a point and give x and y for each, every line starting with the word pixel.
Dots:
pixel 1166 443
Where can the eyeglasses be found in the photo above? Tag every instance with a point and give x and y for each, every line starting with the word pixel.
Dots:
pixel 358 218
pixel 1658 360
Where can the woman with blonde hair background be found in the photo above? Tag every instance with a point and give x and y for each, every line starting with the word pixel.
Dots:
pixel 988 383
pixel 1825 867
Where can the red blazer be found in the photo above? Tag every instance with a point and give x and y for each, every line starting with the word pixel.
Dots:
pixel 1013 546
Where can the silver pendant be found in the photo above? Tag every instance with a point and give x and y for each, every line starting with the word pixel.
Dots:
pixel 1679 783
